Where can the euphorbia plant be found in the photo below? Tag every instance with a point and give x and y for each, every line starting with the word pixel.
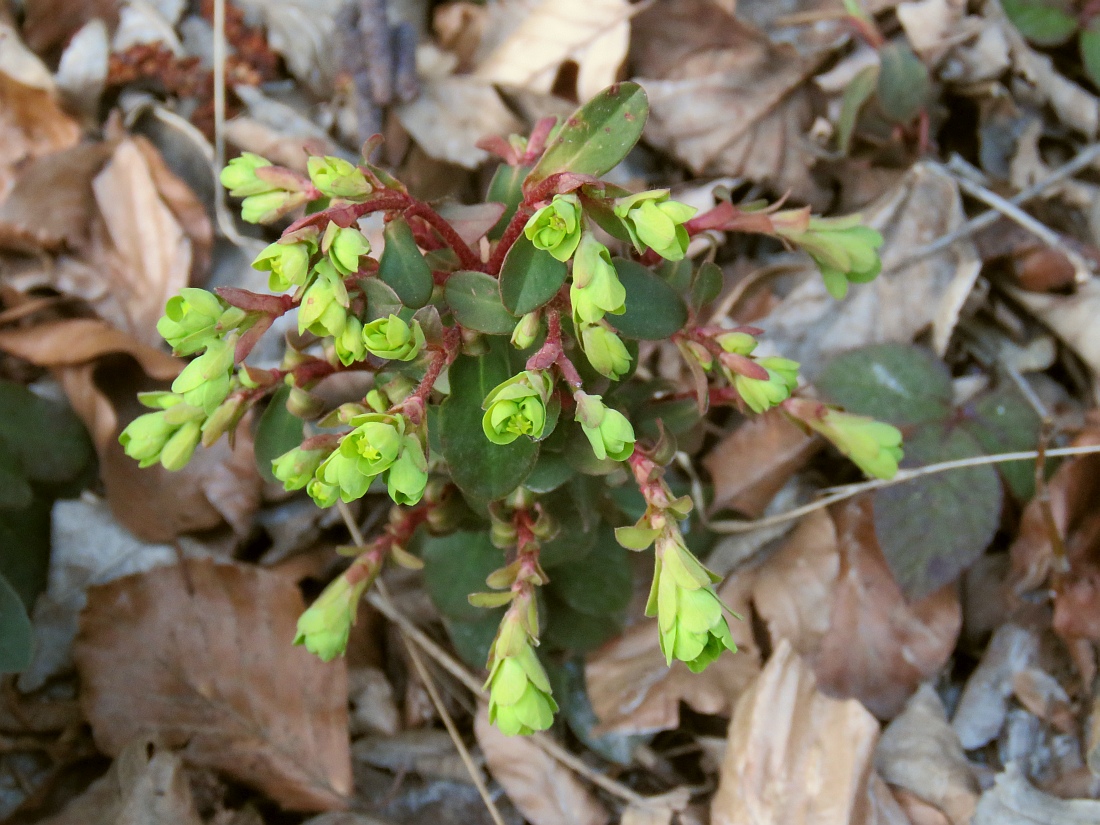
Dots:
pixel 503 389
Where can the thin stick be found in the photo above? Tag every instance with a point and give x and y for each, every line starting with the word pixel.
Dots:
pixel 842 493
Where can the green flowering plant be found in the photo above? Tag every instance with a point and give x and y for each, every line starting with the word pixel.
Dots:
pixel 512 411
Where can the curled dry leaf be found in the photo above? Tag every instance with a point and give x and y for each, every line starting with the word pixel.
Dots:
pixel 830 593
pixel 1071 317
pixel 811 327
pixel 1014 801
pixel 794 755
pixel 723 98
pixel 543 789
pixel 632 690
pixel 920 752
pixel 593 34
pixel 146 784
pixel 200 655
pixel 752 463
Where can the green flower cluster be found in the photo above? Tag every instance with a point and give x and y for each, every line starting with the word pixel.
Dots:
pixel 595 291
pixel 520 700
pixel 337 178
pixel 195 318
pixel 844 250
pixel 269 192
pixel 557 227
pixel 326 624
pixel 608 431
pixel 655 222
pixel 518 407
pixel 873 446
pixel 168 436
pixel 758 393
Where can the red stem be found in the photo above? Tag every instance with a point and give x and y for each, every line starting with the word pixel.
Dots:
pixel 511 234
pixel 466 256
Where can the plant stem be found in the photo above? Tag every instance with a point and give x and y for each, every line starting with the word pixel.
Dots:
pixel 511 234
pixel 466 256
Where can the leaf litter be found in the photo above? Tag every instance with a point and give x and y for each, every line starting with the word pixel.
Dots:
pixel 860 694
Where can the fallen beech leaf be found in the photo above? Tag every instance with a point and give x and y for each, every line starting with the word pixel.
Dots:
pixel 811 327
pixel 883 806
pixel 917 811
pixel 200 654
pixel 880 647
pixel 302 31
pixel 980 714
pixel 49 24
pixel 146 784
pixel 428 752
pixel 752 463
pixel 593 34
pixel 723 98
pixel 795 756
pixel 1071 317
pixel 920 752
pixel 632 690
pixel 544 790
pixel 79 340
pixel 1013 801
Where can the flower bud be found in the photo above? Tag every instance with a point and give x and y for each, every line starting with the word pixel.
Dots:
pixel 349 343
pixel 394 339
pixel 270 206
pixel 873 446
pixel 654 221
pixel 376 445
pixel 608 430
pixel 517 407
pixel 843 249
pixel 520 700
pixel 181 446
pixel 738 343
pixel 323 310
pixel 325 626
pixel 605 351
pixel 761 395
pixel 337 178
pixel 224 419
pixel 526 331
pixel 194 317
pixel 596 288
pixel 408 475
pixel 347 246
pixel 288 264
pixel 557 227
pixel 239 176
pixel 297 467
pixel 145 437
pixel 205 382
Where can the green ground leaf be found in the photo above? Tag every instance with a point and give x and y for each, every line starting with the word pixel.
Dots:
pixel 572 696
pixel 456 566
pixel 277 432
pixel 472 640
pixel 25 548
pixel 570 629
pixel 706 285
pixel 895 383
pixel 15 631
pixel 1043 22
pixel 598 585
pixel 481 469
pixel 1089 45
pixel 15 490
pixel 573 509
pixel 551 471
pixel 506 187
pixel 402 265
pixel 597 136
pixel 856 94
pixel 654 310
pixel 933 528
pixel 903 83
pixel 46 438
pixel 382 301
pixel 1003 422
pixel 475 299
pixel 529 277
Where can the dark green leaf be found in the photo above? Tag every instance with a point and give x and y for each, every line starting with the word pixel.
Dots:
pixel 572 508
pixel 382 301
pixel 278 432
pixel 903 83
pixel 456 566
pixel 1003 422
pixel 506 187
pixel 15 631
pixel 856 93
pixel 402 265
pixel 600 583
pixel 569 629
pixel 654 310
pixel 551 471
pixel 472 640
pixel 529 277
pixel 933 528
pixel 1043 22
pixel 25 548
pixel 596 136
pixel 706 285
pixel 481 469
pixel 474 297
pixel 572 697
pixel 48 440
pixel 1089 45
pixel 15 490
pixel 895 383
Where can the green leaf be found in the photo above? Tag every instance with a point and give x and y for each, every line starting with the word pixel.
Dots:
pixel 382 301
pixel 506 187
pixel 856 94
pixel 903 83
pixel 15 490
pixel 472 640
pixel 47 439
pixel 278 432
pixel 402 265
pixel 456 566
pixel 1089 46
pixel 597 136
pixel 1043 22
pixel 569 629
pixel 600 583
pixel 551 471
pixel 934 527
pixel 572 508
pixel 25 548
pixel 706 285
pixel 1004 422
pixel 15 631
pixel 895 383
pixel 529 278
pixel 572 696
pixel 474 297
pixel 654 310
pixel 481 469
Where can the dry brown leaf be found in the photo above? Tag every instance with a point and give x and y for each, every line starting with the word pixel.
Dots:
pixel 632 690
pixel 146 785
pixel 200 654
pixel 723 98
pixel 593 34
pixel 48 24
pixel 429 752
pixel 920 752
pixel 917 811
pixel 1071 317
pixel 752 463
pixel 1013 801
pixel 31 123
pixel 544 790
pixel 795 756
pixel 810 326
pixel 980 714
pixel 883 807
